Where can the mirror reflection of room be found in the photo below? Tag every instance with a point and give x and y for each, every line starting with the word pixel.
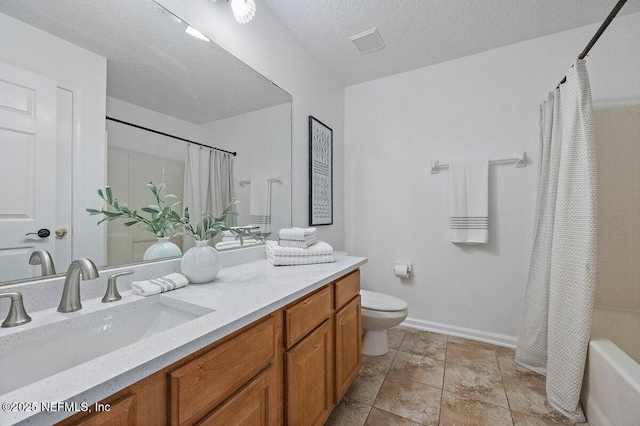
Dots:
pixel 191 105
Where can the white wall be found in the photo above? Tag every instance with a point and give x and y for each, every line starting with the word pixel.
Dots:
pixel 481 106
pixel 263 141
pixel 268 46
pixel 84 73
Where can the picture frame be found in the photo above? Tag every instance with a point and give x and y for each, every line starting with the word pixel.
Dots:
pixel 320 173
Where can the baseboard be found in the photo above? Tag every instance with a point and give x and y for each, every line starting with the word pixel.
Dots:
pixel 467 333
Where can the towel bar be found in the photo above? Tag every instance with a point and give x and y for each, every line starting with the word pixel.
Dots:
pixel 520 160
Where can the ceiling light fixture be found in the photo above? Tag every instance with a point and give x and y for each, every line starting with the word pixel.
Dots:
pixel 195 33
pixel 243 10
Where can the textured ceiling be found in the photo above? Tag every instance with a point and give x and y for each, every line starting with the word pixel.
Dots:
pixel 151 61
pixel 418 33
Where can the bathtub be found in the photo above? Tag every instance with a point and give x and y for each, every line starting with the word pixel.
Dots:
pixel 611 387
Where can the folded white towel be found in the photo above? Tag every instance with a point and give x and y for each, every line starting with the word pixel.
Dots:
pixel 296 233
pixel 159 285
pixel 227 245
pixel 299 260
pixel 319 248
pixel 260 204
pixel 297 243
pixel 470 202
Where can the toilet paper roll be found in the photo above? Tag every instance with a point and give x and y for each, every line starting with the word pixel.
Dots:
pixel 402 270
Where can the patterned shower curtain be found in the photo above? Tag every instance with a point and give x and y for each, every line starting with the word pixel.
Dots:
pixel 558 305
pixel 208 184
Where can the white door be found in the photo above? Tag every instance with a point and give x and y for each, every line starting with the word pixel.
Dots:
pixel 27 168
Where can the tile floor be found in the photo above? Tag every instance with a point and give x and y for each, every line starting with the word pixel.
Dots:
pixel 433 379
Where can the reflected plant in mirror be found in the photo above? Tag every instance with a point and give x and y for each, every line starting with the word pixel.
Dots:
pixel 163 223
pixel 164 219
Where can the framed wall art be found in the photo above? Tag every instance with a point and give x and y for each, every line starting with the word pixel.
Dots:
pixel 320 173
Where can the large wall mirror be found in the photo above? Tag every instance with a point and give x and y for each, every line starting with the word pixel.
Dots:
pixel 121 93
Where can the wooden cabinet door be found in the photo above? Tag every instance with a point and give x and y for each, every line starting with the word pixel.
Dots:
pixel 255 405
pixel 348 346
pixel 121 413
pixel 309 379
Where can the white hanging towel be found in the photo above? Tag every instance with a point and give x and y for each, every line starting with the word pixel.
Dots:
pixel 260 204
pixel 470 202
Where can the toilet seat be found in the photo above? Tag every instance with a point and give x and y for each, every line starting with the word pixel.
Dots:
pixel 374 301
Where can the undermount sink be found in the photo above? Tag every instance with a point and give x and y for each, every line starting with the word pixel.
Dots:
pixel 40 352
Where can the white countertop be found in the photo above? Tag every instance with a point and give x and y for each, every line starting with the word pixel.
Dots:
pixel 239 295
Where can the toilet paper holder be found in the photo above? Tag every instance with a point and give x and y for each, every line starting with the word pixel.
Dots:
pixel 403 269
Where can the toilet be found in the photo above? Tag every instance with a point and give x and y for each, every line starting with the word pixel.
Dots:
pixel 379 312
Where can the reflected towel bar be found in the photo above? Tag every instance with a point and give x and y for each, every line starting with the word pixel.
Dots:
pixel 279 180
pixel 519 158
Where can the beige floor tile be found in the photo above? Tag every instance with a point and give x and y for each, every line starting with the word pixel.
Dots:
pixel 419 369
pixel 425 343
pixel 394 338
pixel 527 395
pixel 469 342
pixel 473 357
pixel 349 413
pixel 457 411
pixel 382 418
pixel 507 362
pixel 520 419
pixel 412 400
pixel 379 363
pixel 366 385
pixel 474 384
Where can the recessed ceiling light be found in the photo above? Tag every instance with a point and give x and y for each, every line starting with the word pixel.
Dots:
pixel 195 33
pixel 368 41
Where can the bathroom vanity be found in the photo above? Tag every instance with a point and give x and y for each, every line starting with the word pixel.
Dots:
pixel 279 345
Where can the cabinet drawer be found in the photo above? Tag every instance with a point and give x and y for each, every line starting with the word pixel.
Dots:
pixel 347 288
pixel 197 387
pixel 303 317
pixel 255 405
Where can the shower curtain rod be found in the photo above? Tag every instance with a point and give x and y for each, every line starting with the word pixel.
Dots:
pixel 598 33
pixel 168 135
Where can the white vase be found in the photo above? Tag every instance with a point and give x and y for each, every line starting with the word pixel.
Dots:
pixel 200 264
pixel 162 249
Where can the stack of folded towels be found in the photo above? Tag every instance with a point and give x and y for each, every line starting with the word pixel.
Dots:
pixel 297 237
pixel 320 252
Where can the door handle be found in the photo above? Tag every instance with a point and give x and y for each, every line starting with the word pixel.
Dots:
pixel 42 233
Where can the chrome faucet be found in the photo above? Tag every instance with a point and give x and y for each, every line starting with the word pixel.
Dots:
pixel 43 257
pixel 17 315
pixel 70 301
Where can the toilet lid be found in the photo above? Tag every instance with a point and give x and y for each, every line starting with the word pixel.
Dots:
pixel 381 302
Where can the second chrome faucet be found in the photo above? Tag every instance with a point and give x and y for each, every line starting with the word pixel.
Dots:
pixel 70 301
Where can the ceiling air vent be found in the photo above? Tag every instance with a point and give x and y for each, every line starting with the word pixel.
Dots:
pixel 368 41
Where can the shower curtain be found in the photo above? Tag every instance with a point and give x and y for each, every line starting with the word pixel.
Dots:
pixel 558 305
pixel 208 183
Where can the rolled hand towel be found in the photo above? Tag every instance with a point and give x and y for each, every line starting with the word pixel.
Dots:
pixel 319 248
pixel 159 285
pixel 296 233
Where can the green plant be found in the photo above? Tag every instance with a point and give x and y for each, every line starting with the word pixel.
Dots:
pixel 164 219
pixel 211 226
